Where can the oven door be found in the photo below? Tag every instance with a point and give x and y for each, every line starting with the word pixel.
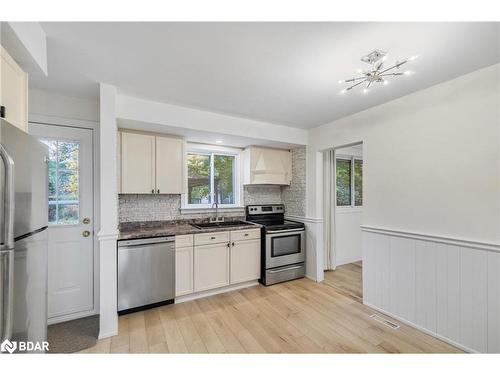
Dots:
pixel 285 247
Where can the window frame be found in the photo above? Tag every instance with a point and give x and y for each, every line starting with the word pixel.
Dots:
pixel 212 151
pixel 352 206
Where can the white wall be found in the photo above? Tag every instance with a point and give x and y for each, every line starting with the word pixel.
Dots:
pixel 431 159
pixel 431 177
pixel 47 103
pixel 140 110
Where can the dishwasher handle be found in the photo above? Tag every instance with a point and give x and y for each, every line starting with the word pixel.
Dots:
pixel 146 241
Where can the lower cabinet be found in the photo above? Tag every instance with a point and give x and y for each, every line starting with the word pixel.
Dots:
pixel 183 271
pixel 245 261
pixel 207 261
pixel 211 266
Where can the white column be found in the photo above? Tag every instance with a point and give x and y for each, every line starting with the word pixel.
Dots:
pixel 108 232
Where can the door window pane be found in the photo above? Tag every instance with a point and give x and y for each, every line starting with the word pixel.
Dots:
pixel 63 180
pixel 358 182
pixel 224 179
pixel 343 171
pixel 198 178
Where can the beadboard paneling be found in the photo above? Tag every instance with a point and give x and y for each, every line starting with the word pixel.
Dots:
pixel 448 290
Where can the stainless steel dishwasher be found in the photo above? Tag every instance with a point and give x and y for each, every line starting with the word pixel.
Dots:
pixel 146 273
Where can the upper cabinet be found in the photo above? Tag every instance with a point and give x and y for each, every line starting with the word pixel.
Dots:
pixel 151 164
pixel 13 91
pixel 266 166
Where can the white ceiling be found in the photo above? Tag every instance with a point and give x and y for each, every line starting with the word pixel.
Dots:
pixel 285 73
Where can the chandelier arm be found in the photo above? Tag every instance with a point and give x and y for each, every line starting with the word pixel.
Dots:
pixel 394 66
pixel 354 79
pixel 391 74
pixel 353 86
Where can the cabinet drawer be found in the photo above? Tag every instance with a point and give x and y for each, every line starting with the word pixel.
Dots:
pixel 209 238
pixel 185 240
pixel 247 234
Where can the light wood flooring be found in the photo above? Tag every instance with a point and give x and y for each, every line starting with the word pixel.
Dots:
pixel 347 279
pixel 300 316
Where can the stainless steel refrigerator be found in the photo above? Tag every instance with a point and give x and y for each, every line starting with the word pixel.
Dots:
pixel 23 235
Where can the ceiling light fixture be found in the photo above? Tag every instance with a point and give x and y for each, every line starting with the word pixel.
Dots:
pixel 219 141
pixel 377 73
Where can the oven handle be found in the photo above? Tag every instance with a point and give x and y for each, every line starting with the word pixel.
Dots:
pixel 285 269
pixel 285 231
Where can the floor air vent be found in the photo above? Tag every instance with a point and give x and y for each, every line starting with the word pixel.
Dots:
pixel 382 320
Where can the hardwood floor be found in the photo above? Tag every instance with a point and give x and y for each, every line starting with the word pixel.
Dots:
pixel 300 316
pixel 347 279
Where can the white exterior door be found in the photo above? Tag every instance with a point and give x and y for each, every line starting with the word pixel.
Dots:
pixel 71 221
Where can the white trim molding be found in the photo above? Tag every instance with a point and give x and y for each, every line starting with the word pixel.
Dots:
pixel 304 219
pixel 462 242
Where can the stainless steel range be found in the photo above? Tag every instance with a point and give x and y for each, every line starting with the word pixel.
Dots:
pixel 283 243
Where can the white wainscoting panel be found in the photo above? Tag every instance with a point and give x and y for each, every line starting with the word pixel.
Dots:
pixel 493 302
pixel 449 288
pixel 402 274
pixel 425 284
pixel 473 299
pixel 448 291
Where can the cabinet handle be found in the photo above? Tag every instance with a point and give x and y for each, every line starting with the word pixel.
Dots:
pixel 246 234
pixel 152 191
pixel 232 244
pixel 2 111
pixel 158 191
pixel 212 238
pixel 228 244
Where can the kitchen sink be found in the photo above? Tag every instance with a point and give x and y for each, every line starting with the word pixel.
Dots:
pixel 222 224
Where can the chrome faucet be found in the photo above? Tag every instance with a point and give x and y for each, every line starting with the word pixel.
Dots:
pixel 216 219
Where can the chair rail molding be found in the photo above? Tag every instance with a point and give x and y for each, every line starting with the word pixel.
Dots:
pixel 463 242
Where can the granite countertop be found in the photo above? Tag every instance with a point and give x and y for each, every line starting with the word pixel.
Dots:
pixel 150 229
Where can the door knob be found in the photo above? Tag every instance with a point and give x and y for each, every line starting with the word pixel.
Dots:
pixel 86 220
pixel 86 233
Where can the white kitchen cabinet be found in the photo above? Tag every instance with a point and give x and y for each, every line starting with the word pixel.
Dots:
pixel 266 166
pixel 184 265
pixel 137 163
pixel 211 266
pixel 245 261
pixel 13 91
pixel 183 271
pixel 151 164
pixel 169 165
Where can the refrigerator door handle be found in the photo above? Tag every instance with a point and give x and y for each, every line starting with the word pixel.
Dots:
pixel 7 250
pixel 8 229
pixel 6 294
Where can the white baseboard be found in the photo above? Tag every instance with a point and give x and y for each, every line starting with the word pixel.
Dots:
pixel 107 334
pixel 421 329
pixel 212 292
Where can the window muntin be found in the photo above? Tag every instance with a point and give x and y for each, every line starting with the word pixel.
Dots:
pixel 63 180
pixel 212 178
pixel 349 181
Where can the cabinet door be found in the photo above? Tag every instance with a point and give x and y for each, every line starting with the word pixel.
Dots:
pixel 13 91
pixel 137 163
pixel 169 165
pixel 245 261
pixel 183 271
pixel 211 266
